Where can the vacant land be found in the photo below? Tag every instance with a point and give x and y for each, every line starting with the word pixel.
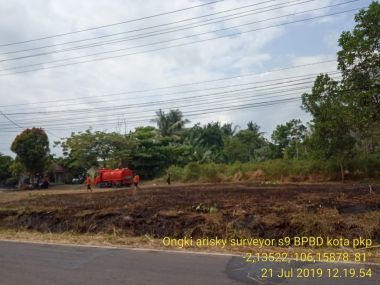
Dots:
pixel 226 210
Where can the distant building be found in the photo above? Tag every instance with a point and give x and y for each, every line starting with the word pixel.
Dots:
pixel 59 173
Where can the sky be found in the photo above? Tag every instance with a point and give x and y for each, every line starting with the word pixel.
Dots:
pixel 231 61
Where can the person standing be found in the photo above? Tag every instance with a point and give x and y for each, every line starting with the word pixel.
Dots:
pixel 168 178
pixel 88 183
pixel 136 181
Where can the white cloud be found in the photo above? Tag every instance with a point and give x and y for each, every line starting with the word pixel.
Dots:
pixel 23 20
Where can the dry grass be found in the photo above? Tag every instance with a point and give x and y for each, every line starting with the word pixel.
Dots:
pixel 82 239
pixel 15 195
pixel 123 219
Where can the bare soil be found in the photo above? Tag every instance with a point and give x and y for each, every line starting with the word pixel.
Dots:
pixel 225 210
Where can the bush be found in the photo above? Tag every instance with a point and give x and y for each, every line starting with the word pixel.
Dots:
pixel 192 172
pixel 364 166
pixel 176 173
pixel 272 170
pixel 212 172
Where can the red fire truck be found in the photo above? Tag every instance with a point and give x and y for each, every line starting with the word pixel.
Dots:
pixel 113 177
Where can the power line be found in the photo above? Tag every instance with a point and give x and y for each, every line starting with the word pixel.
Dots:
pixel 110 25
pixel 211 110
pixel 152 27
pixel 10 120
pixel 187 105
pixel 127 106
pixel 289 78
pixel 184 105
pixel 178 85
pixel 73 121
pixel 17 125
pixel 67 123
pixel 216 100
pixel 180 38
pixel 225 109
pixel 169 30
pixel 163 48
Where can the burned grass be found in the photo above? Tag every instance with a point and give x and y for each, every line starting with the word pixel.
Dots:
pixel 225 210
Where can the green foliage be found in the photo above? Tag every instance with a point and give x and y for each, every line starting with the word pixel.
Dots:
pixel 16 168
pixel 171 123
pixel 270 170
pixel 148 158
pixel 236 150
pixel 79 151
pixel 144 150
pixel 346 114
pixel 289 138
pixel 32 149
pixel 364 166
pixel 252 139
pixel 88 149
pixel 331 136
pixel 359 62
pixel 5 170
pixel 191 172
pixel 228 130
pixel 330 132
pixel 211 135
pixel 205 143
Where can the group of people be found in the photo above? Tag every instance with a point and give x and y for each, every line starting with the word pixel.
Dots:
pixel 136 181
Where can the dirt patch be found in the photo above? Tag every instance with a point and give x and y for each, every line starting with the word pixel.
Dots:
pixel 227 210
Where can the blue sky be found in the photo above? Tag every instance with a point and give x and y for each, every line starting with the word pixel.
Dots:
pixel 257 52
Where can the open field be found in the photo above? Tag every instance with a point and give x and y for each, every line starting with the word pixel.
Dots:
pixel 227 210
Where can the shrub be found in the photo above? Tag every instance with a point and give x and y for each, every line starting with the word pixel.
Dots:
pixel 176 173
pixel 192 172
pixel 272 170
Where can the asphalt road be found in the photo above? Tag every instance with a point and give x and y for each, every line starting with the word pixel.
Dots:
pixel 39 264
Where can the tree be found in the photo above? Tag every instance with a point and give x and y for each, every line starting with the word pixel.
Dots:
pixel 5 170
pixel 196 151
pixel 171 123
pixel 79 152
pixel 347 113
pixel 228 130
pixel 206 142
pixel 153 153
pixel 123 148
pixel 252 138
pixel 212 136
pixel 88 149
pixel 281 138
pixel 32 149
pixel 330 133
pixel 289 136
pixel 235 150
pixel 253 127
pixel 359 62
pixel 297 135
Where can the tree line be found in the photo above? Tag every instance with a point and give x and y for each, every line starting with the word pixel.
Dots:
pixel 345 127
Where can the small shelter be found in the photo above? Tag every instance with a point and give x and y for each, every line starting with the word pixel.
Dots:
pixel 59 173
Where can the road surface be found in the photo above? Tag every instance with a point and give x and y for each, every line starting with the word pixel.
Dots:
pixel 39 264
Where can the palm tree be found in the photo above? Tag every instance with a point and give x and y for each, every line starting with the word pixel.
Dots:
pixel 228 130
pixel 171 123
